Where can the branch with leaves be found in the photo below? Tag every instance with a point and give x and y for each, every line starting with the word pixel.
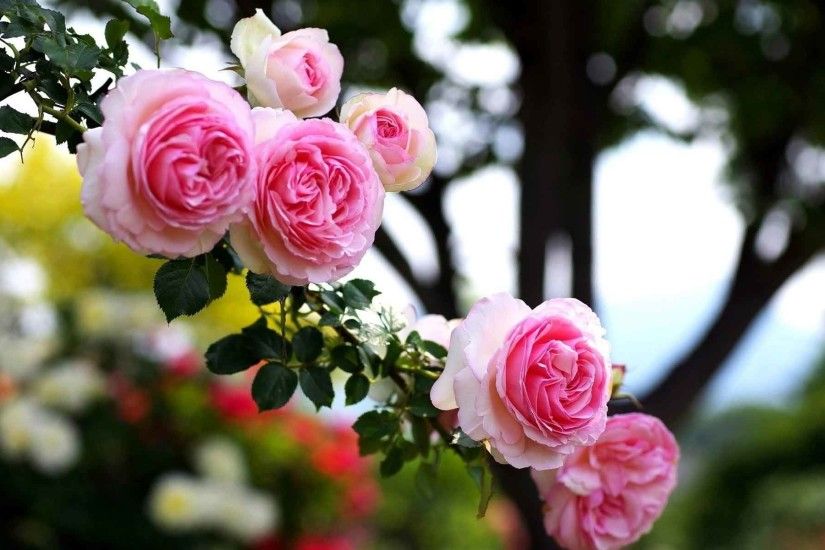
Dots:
pixel 181 168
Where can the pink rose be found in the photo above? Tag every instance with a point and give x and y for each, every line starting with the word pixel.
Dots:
pixel 395 129
pixel 319 201
pixel 608 495
pixel 172 166
pixel 533 384
pixel 300 70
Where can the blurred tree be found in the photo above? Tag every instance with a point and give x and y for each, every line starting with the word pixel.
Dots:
pixel 758 478
pixel 756 61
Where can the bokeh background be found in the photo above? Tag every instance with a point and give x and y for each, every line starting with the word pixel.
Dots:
pixel 663 161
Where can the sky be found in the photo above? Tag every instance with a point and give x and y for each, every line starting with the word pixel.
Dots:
pixel 666 234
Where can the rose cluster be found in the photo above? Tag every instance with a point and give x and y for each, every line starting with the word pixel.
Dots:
pixel 182 160
pixel 533 386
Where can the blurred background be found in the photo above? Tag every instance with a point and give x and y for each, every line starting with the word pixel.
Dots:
pixel 663 161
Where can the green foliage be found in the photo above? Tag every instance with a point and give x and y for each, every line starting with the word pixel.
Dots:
pixel 265 289
pixel 316 384
pixel 273 386
pixel 756 480
pixel 184 287
pixel 54 66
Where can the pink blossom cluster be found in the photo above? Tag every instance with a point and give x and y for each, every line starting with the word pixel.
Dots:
pixel 182 160
pixel 532 385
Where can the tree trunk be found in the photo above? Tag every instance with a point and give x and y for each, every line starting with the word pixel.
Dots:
pixel 559 115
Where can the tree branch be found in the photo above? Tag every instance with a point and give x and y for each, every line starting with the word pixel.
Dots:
pixel 754 284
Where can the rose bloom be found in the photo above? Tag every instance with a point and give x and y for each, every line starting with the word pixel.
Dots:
pixel 608 495
pixel 533 384
pixel 173 164
pixel 319 201
pixel 300 70
pixel 395 129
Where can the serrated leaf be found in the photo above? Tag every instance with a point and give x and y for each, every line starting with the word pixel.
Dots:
pixel 376 424
pixel 116 29
pixel 358 293
pixel 435 349
pixel 307 344
pixel 267 343
pixel 231 354
pixel 74 58
pixel 333 301
pixel 329 319
pixel 317 386
pixel 273 386
pixel 265 289
pixel 215 277
pixel 345 357
pixel 392 462
pixel 181 288
pixel 7 147
pixel 356 388
pixel 161 25
pixel 420 405
pixel 15 122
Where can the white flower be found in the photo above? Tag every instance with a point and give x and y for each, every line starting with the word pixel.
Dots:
pixel 249 33
pixel 220 459
pixel 55 443
pixel 17 419
pixel 71 386
pixel 246 514
pixel 176 503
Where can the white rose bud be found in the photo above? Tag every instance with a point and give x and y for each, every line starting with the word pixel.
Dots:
pixel 299 71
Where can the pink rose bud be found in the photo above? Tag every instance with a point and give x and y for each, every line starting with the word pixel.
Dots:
pixel 395 129
pixel 533 384
pixel 319 200
pixel 299 71
pixel 173 164
pixel 608 495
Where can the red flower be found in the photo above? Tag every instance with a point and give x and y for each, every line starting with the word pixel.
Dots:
pixel 318 542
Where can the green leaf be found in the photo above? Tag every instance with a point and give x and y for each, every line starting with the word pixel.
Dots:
pixel 7 146
pixel 463 440
pixel 184 287
pixel 436 350
pixel 352 324
pixel 345 357
pixel 484 481
pixel 231 354
pixel 72 57
pixel 116 29
pixel 15 122
pixel 414 339
pixel 265 289
pixel 273 386
pixel 329 319
pixel 358 293
pixel 376 424
pixel 161 25
pixel 356 388
pixel 317 386
pixel 267 343
pixel 421 434
pixel 307 344
pixel 215 276
pixel 392 462
pixel 420 405
pixel 333 301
